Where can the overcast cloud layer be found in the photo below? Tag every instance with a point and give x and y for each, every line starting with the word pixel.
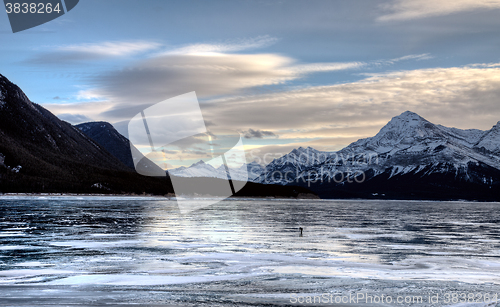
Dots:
pixel 284 73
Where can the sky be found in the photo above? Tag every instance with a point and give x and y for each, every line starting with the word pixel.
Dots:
pixel 282 73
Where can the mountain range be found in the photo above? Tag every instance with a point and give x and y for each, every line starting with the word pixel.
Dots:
pixel 410 158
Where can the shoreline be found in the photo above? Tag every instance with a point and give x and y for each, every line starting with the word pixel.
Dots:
pixel 144 196
pixel 233 198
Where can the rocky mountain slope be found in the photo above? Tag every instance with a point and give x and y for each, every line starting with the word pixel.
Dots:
pixel 41 153
pixel 106 135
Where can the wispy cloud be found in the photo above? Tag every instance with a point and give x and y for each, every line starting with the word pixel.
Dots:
pixel 319 67
pixel 86 52
pixel 416 57
pixel 225 47
pixel 415 9
pixel 74 118
pixel 325 67
pixel 76 113
pixel 111 48
pixel 77 53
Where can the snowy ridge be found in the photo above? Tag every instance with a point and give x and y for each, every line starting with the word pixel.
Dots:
pixel 246 172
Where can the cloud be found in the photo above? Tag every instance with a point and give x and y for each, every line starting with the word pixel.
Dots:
pixel 259 134
pixel 416 57
pixel 59 98
pixel 111 48
pixel 319 67
pixel 415 9
pixel 210 75
pixel 226 47
pixel 73 112
pixel 67 54
pixel 323 67
pixel 74 119
pixel 85 52
pixel 169 152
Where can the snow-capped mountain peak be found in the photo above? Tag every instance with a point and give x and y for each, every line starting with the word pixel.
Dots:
pixel 406 130
pixel 199 163
pixel 301 150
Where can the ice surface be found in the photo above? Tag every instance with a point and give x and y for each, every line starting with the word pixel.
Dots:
pixel 242 252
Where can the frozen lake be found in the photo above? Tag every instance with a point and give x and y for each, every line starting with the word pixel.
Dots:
pixel 97 251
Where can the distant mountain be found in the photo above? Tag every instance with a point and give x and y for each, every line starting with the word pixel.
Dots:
pixel 290 166
pixel 246 172
pixel 409 158
pixel 198 169
pixel 40 153
pixel 106 135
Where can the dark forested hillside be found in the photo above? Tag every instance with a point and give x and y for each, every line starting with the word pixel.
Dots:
pixel 40 153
